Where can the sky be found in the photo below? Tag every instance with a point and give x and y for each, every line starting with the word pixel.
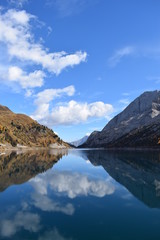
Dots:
pixel 74 64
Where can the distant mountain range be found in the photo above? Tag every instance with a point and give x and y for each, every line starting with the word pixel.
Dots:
pixel 138 125
pixel 21 130
pixel 80 141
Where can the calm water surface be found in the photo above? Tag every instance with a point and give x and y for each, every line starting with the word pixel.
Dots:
pixel 80 194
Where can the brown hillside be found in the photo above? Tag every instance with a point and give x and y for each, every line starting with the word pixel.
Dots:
pixel 21 129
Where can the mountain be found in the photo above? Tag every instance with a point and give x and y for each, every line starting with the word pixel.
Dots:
pixel 136 126
pixel 21 130
pixel 80 141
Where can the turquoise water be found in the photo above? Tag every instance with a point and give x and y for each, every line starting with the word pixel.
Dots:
pixel 80 194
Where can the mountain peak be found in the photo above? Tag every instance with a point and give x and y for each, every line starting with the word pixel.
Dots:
pixel 4 108
pixel 143 111
pixel 145 101
pixel 79 142
pixel 21 130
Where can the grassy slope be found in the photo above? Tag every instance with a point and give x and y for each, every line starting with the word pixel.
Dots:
pixel 21 129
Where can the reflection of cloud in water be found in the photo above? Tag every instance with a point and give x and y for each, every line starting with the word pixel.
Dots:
pixel 72 184
pixel 25 220
pixel 53 235
pixel 44 203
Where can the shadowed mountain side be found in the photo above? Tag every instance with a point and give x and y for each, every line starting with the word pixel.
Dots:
pixel 139 172
pixel 147 136
pixel 136 126
pixel 19 168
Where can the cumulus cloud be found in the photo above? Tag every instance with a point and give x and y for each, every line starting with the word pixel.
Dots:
pixel 44 98
pixel 19 45
pixel 68 113
pixel 49 94
pixel 15 33
pixel 71 184
pixel 75 112
pixel 32 80
pixel 25 220
pixel 119 54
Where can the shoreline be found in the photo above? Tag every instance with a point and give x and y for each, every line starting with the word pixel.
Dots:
pixel 3 149
pixel 123 148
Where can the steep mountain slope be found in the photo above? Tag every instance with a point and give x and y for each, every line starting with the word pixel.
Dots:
pixel 146 136
pixel 80 141
pixel 19 129
pixel 137 125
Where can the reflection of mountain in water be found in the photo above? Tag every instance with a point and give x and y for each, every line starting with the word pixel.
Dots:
pixel 139 172
pixel 19 168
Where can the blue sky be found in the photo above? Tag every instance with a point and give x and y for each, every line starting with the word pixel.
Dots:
pixel 74 64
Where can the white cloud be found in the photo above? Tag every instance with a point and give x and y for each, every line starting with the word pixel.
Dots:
pixel 119 54
pixel 44 98
pixel 19 46
pixel 75 112
pixel 72 184
pixel 25 220
pixel 49 94
pixel 67 113
pixel 32 80
pixel 15 33
pixel 18 18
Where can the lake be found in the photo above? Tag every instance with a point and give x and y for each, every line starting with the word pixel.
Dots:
pixel 80 195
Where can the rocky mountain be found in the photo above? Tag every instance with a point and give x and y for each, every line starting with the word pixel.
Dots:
pixel 136 126
pixel 80 141
pixel 21 130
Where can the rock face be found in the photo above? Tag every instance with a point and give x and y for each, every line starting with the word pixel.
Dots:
pixel 80 141
pixel 137 125
pixel 21 130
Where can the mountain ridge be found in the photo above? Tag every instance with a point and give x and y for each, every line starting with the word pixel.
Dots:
pixel 143 111
pixel 80 141
pixel 20 129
